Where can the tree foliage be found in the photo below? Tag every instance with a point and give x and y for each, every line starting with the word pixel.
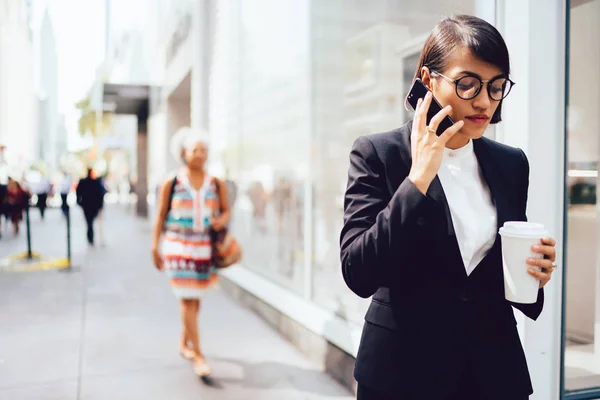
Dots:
pixel 87 118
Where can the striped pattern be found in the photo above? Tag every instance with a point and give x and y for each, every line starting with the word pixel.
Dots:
pixel 187 248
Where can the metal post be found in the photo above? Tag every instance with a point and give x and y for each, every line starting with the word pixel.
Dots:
pixel 29 255
pixel 68 215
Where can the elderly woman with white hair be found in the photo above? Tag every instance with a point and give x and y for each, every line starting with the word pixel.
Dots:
pixel 189 206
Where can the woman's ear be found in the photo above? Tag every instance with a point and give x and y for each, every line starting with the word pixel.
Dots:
pixel 183 156
pixel 426 77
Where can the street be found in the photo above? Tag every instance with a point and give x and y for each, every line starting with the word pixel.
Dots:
pixel 109 328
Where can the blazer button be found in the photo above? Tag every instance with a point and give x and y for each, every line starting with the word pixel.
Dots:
pixel 421 221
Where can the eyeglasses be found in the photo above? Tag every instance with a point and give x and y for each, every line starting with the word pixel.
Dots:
pixel 468 86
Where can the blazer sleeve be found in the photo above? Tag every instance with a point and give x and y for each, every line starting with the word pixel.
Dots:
pixel 534 310
pixel 376 224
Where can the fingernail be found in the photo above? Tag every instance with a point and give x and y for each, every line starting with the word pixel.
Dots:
pixel 535 247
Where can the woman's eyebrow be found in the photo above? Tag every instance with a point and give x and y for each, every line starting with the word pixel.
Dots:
pixel 466 72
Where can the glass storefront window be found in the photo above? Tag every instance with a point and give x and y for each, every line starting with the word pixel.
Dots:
pixel 364 55
pixel 582 343
pixel 291 89
pixel 265 88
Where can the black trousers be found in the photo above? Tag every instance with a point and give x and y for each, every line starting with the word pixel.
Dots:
pixel 64 206
pixel 41 203
pixel 465 393
pixel 90 215
pixel 467 388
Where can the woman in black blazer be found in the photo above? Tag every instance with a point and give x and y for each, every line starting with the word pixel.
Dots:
pixel 421 217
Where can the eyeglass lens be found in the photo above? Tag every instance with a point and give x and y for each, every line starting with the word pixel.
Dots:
pixel 468 87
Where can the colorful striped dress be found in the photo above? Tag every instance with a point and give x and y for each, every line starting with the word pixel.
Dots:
pixel 187 248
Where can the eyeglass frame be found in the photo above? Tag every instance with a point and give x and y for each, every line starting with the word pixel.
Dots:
pixel 481 82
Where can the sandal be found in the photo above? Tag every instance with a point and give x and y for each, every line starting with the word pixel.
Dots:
pixel 187 353
pixel 201 368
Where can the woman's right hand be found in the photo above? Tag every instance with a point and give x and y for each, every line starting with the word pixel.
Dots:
pixel 157 258
pixel 427 148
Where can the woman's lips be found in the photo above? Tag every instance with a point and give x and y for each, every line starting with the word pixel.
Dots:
pixel 477 119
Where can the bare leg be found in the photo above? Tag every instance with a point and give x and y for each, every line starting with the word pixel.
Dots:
pixel 190 317
pixel 184 345
pixel 190 322
pixel 184 339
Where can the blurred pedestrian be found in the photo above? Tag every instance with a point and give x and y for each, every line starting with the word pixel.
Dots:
pixel 100 217
pixel 3 204
pixel 17 199
pixel 64 188
pixel 90 196
pixel 258 197
pixel 42 189
pixel 189 206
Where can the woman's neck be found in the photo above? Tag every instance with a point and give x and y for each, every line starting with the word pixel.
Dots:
pixel 195 177
pixel 457 141
pixel 195 171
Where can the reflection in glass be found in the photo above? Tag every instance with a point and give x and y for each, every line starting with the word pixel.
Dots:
pixel 364 58
pixel 582 346
pixel 291 89
pixel 260 115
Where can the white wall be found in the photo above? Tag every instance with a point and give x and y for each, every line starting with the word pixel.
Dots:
pixel 180 65
pixel 178 116
pixel 174 77
pixel 158 154
pixel 533 114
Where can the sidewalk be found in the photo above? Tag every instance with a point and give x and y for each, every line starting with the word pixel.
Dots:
pixel 109 329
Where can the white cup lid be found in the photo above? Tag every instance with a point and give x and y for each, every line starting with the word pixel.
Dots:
pixel 523 229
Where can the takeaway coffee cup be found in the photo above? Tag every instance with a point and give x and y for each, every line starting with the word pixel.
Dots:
pixel 517 239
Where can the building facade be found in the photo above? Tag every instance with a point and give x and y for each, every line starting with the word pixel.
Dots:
pixel 129 59
pixel 18 100
pixel 284 93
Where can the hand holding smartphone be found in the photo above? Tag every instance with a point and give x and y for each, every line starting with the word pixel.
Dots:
pixel 427 150
pixel 418 91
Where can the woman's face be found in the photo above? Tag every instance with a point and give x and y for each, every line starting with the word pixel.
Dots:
pixel 195 155
pixel 477 112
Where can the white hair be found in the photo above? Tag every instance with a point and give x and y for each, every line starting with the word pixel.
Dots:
pixel 186 138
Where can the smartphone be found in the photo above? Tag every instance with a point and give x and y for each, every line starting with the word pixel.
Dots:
pixel 418 91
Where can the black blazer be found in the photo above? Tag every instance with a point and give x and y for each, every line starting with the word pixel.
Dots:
pixel 429 322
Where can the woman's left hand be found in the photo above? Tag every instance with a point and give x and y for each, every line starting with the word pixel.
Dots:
pixel 548 249
pixel 218 223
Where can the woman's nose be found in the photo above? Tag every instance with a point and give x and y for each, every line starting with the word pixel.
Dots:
pixel 482 100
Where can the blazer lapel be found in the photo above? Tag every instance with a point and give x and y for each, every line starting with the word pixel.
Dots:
pixel 436 193
pixel 490 167
pixel 491 173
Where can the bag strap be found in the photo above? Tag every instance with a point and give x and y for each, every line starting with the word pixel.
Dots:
pixel 218 188
pixel 171 193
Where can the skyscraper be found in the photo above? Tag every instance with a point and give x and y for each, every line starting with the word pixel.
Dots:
pixel 47 80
